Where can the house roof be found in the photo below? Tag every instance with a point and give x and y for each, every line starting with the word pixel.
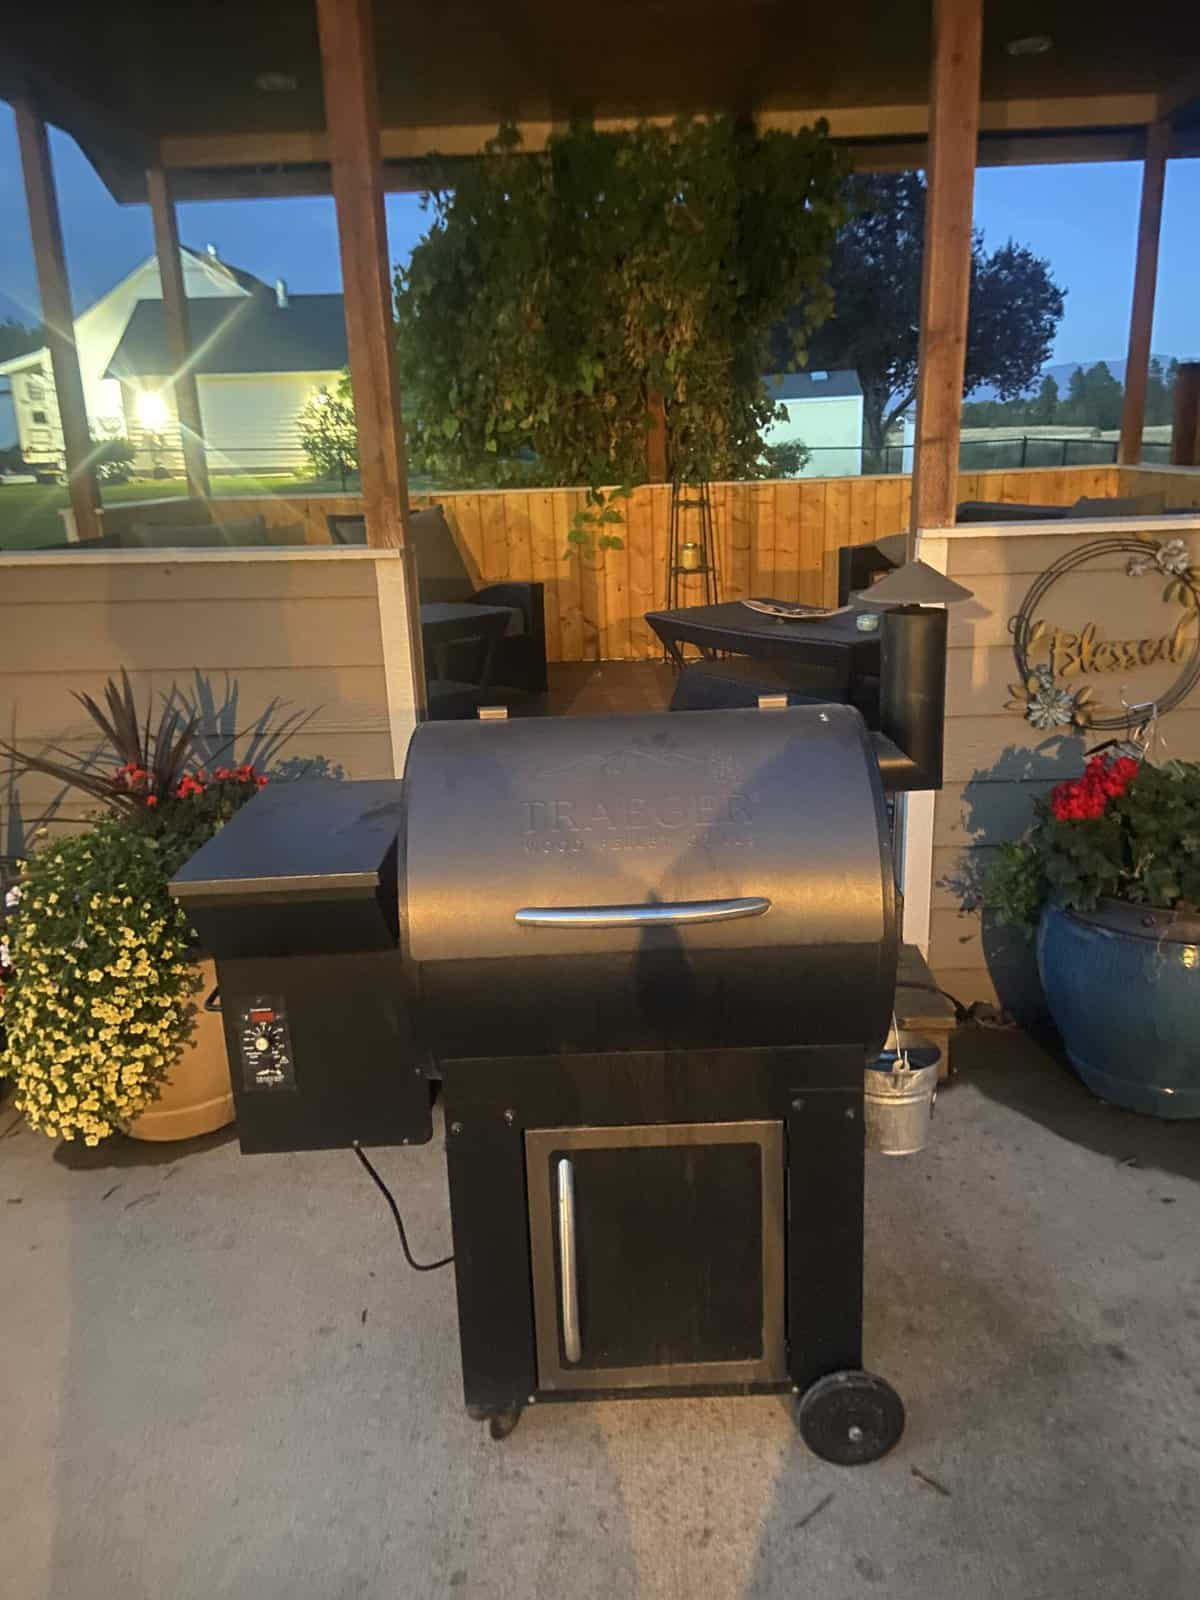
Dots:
pixel 247 334
pixel 813 385
pixel 208 258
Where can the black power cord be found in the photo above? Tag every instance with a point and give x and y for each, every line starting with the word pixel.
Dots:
pixel 417 1266
pixel 961 1012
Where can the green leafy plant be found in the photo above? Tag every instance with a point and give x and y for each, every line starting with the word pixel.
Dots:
pixel 1124 829
pixel 143 760
pixel 112 458
pixel 785 460
pixel 560 295
pixel 592 525
pixel 329 432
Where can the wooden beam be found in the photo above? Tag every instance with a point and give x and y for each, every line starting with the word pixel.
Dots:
pixel 1145 277
pixel 352 116
pixel 58 319
pixel 417 141
pixel 946 261
pixel 1185 433
pixel 179 332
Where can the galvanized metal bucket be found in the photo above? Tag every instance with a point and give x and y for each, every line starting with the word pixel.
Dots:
pixel 899 1090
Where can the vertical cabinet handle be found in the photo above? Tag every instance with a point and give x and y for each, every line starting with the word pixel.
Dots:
pixel 572 1348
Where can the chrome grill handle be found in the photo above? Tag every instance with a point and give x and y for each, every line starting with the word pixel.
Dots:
pixel 680 914
pixel 572 1345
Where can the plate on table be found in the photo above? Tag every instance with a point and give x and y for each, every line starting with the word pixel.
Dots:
pixel 782 611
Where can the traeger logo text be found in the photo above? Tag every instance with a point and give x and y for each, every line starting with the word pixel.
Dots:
pixel 634 822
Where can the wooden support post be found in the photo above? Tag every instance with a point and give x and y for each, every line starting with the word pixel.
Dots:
pixel 1185 434
pixel 58 319
pixel 1141 320
pixel 656 437
pixel 946 261
pixel 179 332
pixel 356 164
pixel 352 119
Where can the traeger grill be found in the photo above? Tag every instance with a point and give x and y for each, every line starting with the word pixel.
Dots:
pixel 649 957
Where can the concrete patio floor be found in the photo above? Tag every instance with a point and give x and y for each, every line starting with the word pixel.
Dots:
pixel 220 1380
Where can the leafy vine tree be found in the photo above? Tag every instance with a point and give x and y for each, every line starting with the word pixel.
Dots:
pixel 328 431
pixel 559 296
pixel 875 277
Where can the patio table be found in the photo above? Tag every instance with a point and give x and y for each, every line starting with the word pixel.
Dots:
pixel 831 643
pixel 444 624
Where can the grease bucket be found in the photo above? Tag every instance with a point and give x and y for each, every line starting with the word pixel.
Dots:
pixel 898 1094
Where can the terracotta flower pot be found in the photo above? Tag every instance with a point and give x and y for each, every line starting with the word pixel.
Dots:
pixel 197 1096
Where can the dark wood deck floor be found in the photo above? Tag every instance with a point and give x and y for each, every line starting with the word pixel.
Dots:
pixel 599 688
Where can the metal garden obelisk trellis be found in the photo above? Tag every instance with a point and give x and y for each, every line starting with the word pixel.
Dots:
pixel 691 546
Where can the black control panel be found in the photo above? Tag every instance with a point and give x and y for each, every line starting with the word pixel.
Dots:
pixel 266 1044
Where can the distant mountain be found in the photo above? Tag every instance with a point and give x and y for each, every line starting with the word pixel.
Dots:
pixel 1061 372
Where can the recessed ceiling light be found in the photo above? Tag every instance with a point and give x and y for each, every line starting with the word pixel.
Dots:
pixel 275 82
pixel 1034 44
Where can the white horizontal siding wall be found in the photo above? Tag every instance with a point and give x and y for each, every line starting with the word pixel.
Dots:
pixel 325 630
pixel 830 426
pixel 250 419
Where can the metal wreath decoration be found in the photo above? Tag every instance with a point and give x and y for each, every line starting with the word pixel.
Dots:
pixel 1038 694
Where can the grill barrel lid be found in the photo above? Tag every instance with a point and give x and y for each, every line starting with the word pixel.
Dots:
pixel 721 830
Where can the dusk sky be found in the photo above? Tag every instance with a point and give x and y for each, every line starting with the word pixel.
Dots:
pixel 1083 218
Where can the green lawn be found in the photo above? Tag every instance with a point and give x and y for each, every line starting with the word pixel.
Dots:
pixel 29 512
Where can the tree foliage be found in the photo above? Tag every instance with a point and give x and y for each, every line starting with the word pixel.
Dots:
pixel 555 293
pixel 18 340
pixel 328 432
pixel 1094 399
pixel 876 281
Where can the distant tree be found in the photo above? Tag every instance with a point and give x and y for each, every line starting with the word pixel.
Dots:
pixel 1104 397
pixel 1074 408
pixel 1045 408
pixel 328 431
pixel 17 340
pixel 1159 393
pixel 876 280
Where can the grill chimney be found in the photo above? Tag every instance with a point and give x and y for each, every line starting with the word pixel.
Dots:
pixel 281 294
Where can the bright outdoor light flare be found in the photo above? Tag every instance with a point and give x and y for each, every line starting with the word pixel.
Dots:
pixel 151 409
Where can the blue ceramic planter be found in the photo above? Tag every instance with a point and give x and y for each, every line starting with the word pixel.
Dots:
pixel 1123 986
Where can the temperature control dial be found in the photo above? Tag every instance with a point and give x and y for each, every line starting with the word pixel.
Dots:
pixel 266 1045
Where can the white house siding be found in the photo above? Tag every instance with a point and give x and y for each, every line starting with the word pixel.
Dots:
pixel 98 331
pixel 250 419
pixel 831 428
pixel 249 422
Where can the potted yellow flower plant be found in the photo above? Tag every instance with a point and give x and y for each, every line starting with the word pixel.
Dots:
pixel 98 1017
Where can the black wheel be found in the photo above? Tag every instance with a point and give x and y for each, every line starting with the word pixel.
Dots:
pixel 850 1418
pixel 502 1423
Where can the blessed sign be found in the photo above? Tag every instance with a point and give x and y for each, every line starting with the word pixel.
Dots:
pixel 1056 655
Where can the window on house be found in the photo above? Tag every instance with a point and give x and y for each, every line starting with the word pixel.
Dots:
pixel 33 389
pixel 39 416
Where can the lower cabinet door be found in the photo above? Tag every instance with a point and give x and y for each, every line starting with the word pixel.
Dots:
pixel 658 1254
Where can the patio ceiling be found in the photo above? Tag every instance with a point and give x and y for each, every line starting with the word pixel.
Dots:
pixel 231 97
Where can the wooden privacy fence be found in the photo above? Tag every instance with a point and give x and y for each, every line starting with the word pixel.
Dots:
pixel 775 538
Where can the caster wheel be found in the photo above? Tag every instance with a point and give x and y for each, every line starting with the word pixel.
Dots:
pixel 850 1418
pixel 502 1423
